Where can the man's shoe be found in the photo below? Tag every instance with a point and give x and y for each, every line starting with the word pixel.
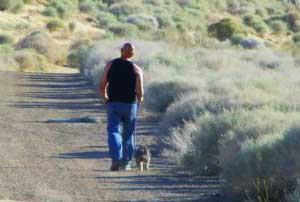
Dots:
pixel 126 166
pixel 115 166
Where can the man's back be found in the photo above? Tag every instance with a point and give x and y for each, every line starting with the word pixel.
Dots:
pixel 121 81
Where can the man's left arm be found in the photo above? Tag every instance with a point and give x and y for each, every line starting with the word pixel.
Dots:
pixel 139 87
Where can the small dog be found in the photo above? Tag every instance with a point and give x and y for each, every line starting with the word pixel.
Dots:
pixel 143 157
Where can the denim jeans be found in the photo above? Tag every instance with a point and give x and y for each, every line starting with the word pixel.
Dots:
pixel 121 118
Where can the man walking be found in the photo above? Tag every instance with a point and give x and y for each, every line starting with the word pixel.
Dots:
pixel 121 87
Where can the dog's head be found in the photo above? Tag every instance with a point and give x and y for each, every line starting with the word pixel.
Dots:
pixel 142 150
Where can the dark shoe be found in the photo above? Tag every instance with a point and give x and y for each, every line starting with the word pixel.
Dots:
pixel 125 166
pixel 115 166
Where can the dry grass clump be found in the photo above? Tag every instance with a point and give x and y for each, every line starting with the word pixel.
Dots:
pixel 30 61
pixel 43 44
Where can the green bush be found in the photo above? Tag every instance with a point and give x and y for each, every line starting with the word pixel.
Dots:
pixel 257 23
pixel 30 61
pixel 72 26
pixel 50 11
pixel 105 19
pixel 54 25
pixel 265 164
pixel 296 37
pixel 292 19
pixel 87 6
pixel 63 8
pixel 123 29
pixel 124 9
pixel 225 29
pixel 143 22
pixel 159 96
pixel 11 5
pixel 5 39
pixel 278 27
pixel 43 44
pixel 78 53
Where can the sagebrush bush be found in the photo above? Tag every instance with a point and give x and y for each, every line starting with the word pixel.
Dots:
pixel 62 8
pixel 142 21
pixel 6 39
pixel 257 23
pixel 225 29
pixel 78 53
pixel 30 61
pixel 123 29
pixel 54 25
pixel 292 19
pixel 267 161
pixel 43 44
pixel 124 9
pixel 278 27
pixel 87 6
pixel 296 37
pixel 105 19
pixel 159 96
pixel 11 5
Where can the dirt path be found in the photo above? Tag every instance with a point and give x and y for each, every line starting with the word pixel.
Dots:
pixel 68 162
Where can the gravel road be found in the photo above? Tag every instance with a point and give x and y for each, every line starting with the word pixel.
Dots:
pixel 52 150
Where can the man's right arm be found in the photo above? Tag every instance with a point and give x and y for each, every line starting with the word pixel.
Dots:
pixel 103 83
pixel 139 88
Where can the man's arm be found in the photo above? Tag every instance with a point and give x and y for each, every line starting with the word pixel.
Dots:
pixel 139 86
pixel 103 83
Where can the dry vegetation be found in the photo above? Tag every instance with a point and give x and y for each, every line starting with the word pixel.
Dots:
pixel 227 93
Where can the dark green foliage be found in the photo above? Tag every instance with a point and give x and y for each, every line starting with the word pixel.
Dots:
pixel 105 19
pixel 87 6
pixel 293 21
pixel 54 25
pixel 123 29
pixel 63 8
pixel 124 9
pixel 11 5
pixel 257 23
pixel 5 39
pixel 278 27
pixel 78 53
pixel 296 37
pixel 225 29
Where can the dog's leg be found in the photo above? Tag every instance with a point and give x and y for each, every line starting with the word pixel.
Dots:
pixel 147 166
pixel 142 166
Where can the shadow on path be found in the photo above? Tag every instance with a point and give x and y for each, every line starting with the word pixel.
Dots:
pixel 60 91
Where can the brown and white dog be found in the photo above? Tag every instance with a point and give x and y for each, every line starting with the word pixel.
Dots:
pixel 142 158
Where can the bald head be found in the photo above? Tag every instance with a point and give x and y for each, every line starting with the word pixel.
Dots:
pixel 127 50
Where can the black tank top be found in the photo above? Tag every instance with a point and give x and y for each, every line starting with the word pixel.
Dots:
pixel 121 81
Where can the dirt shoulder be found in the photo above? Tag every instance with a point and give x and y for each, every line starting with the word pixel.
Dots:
pixel 67 161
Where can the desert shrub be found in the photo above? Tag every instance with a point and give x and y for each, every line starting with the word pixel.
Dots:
pixel 30 61
pixel 43 44
pixel 278 27
pixel 105 19
pixel 87 6
pixel 7 62
pixel 236 39
pixel 164 20
pixel 296 37
pixel 124 9
pixel 292 19
pixel 142 21
pixel 5 39
pixel 54 25
pixel 257 23
pixel 50 11
pixel 63 8
pixel 161 95
pixel 123 29
pixel 72 26
pixel 78 53
pixel 266 162
pixel 225 29
pixel 11 5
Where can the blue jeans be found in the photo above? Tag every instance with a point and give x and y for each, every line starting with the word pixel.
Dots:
pixel 121 118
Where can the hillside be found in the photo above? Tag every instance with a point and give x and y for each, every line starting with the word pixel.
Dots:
pixel 187 23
